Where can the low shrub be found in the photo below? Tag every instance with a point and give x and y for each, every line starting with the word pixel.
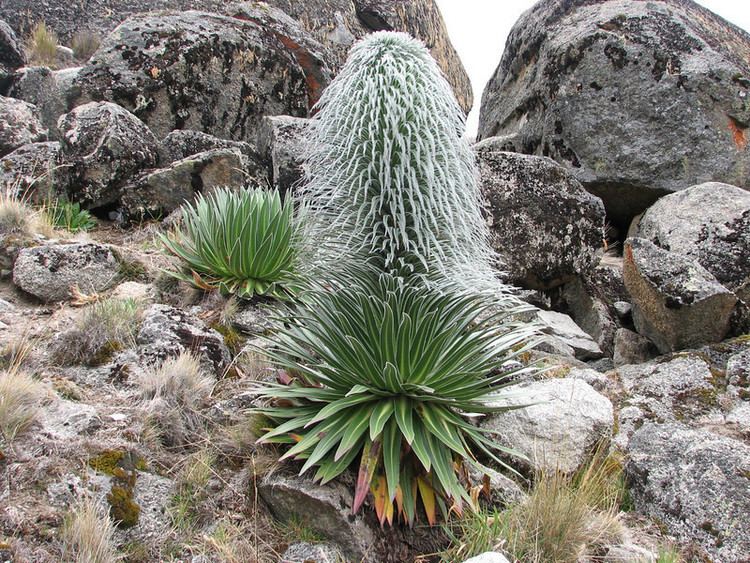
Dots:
pixel 242 243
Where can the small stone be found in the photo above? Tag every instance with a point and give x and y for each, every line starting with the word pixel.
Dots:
pixel 20 125
pixel 488 557
pixel 562 327
pixel 630 348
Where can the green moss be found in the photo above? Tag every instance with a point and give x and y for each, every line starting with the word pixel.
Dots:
pixel 132 270
pixel 107 461
pixel 122 507
pixel 232 338
pixel 118 463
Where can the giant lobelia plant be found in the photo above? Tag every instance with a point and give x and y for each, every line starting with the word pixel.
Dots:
pixel 389 177
pixel 393 349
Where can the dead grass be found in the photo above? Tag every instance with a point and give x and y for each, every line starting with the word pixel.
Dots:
pixel 563 519
pixel 103 329
pixel 88 534
pixel 173 394
pixel 84 44
pixel 21 396
pixel 41 46
pixel 18 216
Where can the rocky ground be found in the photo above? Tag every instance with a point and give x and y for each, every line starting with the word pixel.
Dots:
pixel 625 221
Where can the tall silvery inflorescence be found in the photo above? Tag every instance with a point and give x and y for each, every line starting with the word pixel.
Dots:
pixel 389 178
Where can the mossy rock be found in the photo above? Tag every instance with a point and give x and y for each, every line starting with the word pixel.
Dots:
pixel 122 507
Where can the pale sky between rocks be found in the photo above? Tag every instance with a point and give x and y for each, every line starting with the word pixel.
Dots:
pixel 478 29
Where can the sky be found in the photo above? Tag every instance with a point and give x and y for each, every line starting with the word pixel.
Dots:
pixel 478 29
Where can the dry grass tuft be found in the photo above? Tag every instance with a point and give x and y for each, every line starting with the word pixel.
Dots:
pixel 41 46
pixel 21 396
pixel 18 216
pixel 88 534
pixel 563 519
pixel 174 393
pixel 104 328
pixel 84 45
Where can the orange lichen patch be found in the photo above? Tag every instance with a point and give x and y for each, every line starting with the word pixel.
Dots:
pixel 738 134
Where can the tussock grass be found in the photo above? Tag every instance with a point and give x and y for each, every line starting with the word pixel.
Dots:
pixel 104 328
pixel 88 534
pixel 173 394
pixel 84 44
pixel 185 508
pixel 41 46
pixel 563 519
pixel 18 216
pixel 21 397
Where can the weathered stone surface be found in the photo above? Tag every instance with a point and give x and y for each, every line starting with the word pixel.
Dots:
pixel 195 70
pixel 281 143
pixel 335 24
pixel 20 124
pixel 544 225
pixel 11 55
pixel 182 143
pixel 709 223
pixel 49 90
pixel 677 304
pixel 325 509
pixel 638 99
pixel 305 552
pixel 696 483
pixel 33 171
pixel 565 329
pixel 630 348
pixel 738 375
pixel 682 389
pixel 566 420
pixel 253 318
pixel 103 145
pixel 49 271
pixel 167 331
pixel 159 192
pixel 591 314
pixel 66 420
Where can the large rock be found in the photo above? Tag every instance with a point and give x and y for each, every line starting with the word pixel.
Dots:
pixel 167 331
pixel 325 509
pixel 709 223
pixel 566 420
pixel 591 314
pixel 544 225
pixel 637 98
pixel 681 389
pixel 694 482
pixel 195 70
pixel 49 90
pixel 49 271
pixel 104 146
pixel 677 303
pixel 33 171
pixel 20 124
pixel 159 192
pixel 182 143
pixel 11 55
pixel 335 24
pixel 281 144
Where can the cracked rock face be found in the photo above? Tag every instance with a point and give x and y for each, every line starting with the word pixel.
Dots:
pixel 196 70
pixel 637 98
pixel 709 223
pixel 677 303
pixel 103 146
pixel 543 224
pixel 20 124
